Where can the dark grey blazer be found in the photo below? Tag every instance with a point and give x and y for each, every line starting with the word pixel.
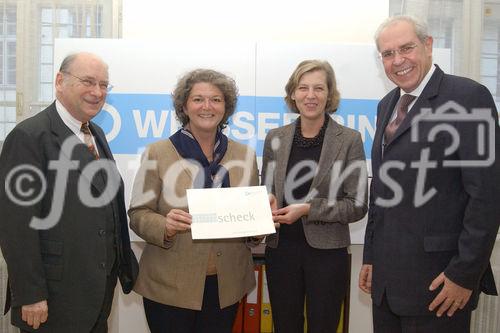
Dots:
pixel 410 245
pixel 64 263
pixel 326 225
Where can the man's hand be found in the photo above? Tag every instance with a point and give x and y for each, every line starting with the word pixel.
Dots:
pixel 451 298
pixel 365 278
pixel 35 314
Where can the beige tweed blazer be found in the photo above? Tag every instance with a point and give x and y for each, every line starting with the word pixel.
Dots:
pixel 173 272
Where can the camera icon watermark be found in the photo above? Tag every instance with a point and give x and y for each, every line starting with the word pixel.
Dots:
pixel 448 118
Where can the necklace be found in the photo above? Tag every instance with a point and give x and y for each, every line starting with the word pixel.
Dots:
pixel 301 141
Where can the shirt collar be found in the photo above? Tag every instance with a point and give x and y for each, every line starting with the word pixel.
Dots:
pixel 70 121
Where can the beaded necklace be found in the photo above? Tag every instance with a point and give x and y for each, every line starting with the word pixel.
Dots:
pixel 301 141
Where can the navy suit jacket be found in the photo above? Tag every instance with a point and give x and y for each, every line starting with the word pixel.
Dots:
pixel 410 242
pixel 65 263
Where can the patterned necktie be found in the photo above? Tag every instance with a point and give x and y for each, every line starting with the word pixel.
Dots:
pixel 87 138
pixel 401 112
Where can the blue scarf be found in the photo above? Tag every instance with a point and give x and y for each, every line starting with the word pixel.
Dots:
pixel 213 174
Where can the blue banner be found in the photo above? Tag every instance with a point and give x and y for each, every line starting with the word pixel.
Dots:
pixel 132 121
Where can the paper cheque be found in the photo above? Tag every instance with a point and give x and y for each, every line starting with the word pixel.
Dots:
pixel 230 212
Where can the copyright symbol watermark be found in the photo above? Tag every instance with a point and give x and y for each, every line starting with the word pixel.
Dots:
pixel 25 185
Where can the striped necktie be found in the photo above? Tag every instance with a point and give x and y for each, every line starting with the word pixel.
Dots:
pixel 87 138
pixel 401 112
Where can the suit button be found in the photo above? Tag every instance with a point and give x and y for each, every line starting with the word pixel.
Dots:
pixel 219 254
pixel 316 222
pixel 103 265
pixel 323 223
pixel 102 232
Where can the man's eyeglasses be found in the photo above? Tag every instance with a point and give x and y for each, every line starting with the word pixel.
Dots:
pixel 91 82
pixel 403 50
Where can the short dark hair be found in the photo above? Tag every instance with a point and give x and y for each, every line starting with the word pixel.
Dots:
pixel 306 66
pixel 185 84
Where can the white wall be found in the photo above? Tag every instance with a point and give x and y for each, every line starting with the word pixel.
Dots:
pixel 261 20
pixel 223 21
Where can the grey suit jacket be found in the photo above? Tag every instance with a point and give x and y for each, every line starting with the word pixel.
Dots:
pixel 410 244
pixel 63 264
pixel 342 166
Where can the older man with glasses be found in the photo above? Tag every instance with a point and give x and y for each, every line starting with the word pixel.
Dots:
pixel 434 213
pixel 64 229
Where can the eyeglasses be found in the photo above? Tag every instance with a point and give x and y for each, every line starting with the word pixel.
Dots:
pixel 91 82
pixel 403 50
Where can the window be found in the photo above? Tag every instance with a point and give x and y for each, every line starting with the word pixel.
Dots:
pixel 77 21
pixel 7 68
pixel 27 32
pixel 490 49
pixel 444 20
pixel 447 24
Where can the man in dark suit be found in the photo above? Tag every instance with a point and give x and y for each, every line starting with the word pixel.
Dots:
pixel 64 229
pixel 434 206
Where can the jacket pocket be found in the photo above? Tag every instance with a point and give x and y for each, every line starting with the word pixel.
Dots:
pixel 53 272
pixel 52 258
pixel 51 247
pixel 441 243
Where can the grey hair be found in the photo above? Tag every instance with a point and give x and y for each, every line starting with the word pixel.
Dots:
pixel 71 58
pixel 67 62
pixel 419 26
